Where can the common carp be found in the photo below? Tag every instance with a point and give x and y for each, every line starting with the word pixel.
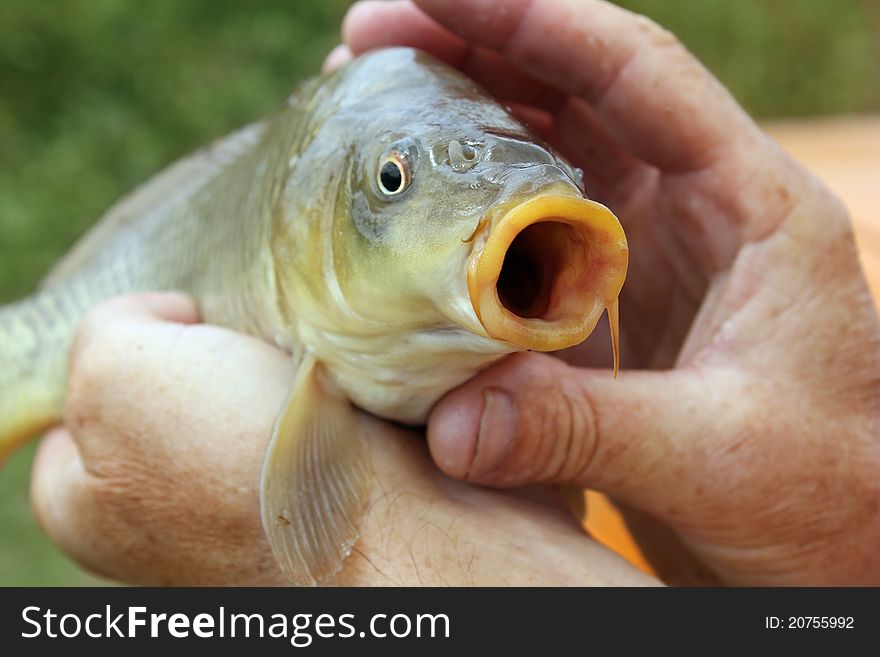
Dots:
pixel 393 228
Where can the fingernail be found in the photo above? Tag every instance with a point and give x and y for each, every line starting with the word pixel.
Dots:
pixel 495 433
pixel 54 443
pixel 337 57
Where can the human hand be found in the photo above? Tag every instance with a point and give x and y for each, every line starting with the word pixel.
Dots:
pixel 747 415
pixel 155 480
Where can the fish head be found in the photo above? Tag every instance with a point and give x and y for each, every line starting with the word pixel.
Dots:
pixel 462 214
pixel 441 224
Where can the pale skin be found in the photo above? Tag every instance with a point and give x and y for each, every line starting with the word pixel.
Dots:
pixel 166 492
pixel 746 420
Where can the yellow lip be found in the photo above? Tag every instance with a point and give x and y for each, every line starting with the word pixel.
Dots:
pixel 548 269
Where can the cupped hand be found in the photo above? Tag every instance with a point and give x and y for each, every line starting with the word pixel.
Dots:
pixel 155 479
pixel 748 416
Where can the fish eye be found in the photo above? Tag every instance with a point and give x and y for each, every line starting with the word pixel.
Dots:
pixel 394 173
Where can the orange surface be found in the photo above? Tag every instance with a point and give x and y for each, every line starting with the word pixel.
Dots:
pixel 845 153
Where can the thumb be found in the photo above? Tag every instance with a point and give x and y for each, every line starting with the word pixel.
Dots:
pixel 533 419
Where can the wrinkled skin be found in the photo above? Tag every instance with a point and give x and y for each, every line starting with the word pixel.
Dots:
pixel 375 283
pixel 746 420
pixel 167 491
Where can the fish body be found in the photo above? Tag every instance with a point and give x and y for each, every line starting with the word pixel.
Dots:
pixel 393 228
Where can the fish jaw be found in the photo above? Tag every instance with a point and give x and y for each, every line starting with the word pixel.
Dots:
pixel 547 270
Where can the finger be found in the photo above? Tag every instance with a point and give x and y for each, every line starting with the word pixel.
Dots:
pixel 337 57
pixel 538 120
pixel 564 121
pixel 535 420
pixel 107 344
pixel 173 307
pixel 144 307
pixel 136 374
pixel 152 403
pixel 60 498
pixel 609 168
pixel 375 24
pixel 651 92
pixel 724 177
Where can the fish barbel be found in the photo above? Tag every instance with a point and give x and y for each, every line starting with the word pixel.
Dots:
pixel 393 228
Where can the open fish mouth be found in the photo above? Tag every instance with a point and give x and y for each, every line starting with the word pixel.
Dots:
pixel 548 269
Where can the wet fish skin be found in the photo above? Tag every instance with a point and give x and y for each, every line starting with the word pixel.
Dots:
pixel 391 316
pixel 283 231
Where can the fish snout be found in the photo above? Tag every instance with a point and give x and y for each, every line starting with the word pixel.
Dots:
pixel 548 269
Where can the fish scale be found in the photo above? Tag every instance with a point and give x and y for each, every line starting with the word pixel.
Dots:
pixel 195 244
pixel 385 298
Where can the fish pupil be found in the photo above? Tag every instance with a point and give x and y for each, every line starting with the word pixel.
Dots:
pixel 391 177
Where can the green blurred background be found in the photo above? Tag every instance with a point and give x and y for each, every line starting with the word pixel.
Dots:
pixel 95 95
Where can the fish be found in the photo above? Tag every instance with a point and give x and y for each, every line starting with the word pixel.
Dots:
pixel 392 227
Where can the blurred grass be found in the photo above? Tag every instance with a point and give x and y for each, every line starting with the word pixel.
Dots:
pixel 95 95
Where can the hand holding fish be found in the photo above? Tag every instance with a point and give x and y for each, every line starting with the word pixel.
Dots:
pixel 392 228
pixel 392 231
pixel 156 478
pixel 745 418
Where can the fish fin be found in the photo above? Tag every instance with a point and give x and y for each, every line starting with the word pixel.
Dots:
pixel 314 481
pixel 158 195
pixel 614 324
pixel 33 366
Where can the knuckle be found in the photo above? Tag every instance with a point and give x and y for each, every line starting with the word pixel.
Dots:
pixel 101 328
pixel 585 425
pixel 118 495
pixel 566 433
pixel 89 379
pixel 88 331
pixel 95 371
pixel 577 435
pixel 657 35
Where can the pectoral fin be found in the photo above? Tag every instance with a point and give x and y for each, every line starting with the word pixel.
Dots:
pixel 314 479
